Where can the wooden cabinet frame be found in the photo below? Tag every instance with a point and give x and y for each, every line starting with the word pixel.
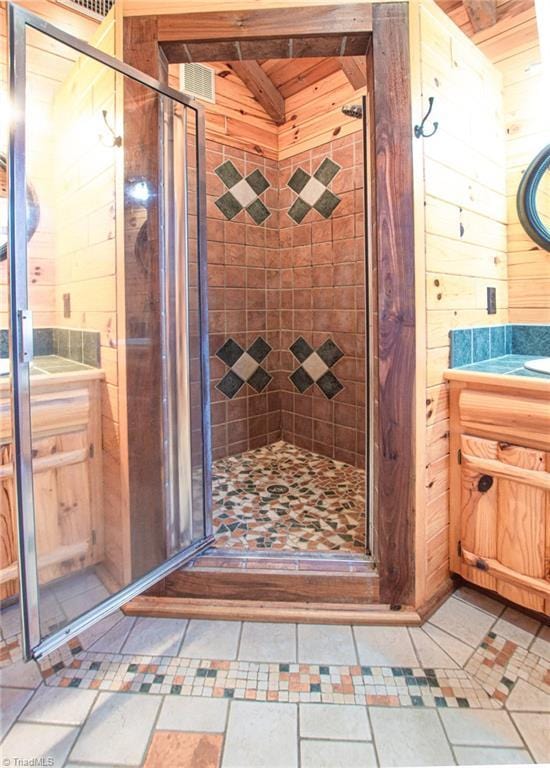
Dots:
pixel 151 41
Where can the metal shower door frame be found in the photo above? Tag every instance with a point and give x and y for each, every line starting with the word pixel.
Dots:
pixel 33 646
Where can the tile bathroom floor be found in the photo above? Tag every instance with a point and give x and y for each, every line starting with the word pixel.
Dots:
pixel 471 686
pixel 281 497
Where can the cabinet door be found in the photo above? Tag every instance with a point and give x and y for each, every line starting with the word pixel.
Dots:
pixel 65 520
pixel 503 519
pixel 478 513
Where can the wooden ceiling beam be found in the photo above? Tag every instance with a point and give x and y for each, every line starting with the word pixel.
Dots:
pixel 482 13
pixel 352 19
pixel 261 87
pixel 355 69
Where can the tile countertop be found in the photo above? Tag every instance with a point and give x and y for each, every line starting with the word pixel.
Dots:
pixel 55 365
pixel 511 365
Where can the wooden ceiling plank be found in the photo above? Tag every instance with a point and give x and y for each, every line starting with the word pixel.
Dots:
pixel 354 68
pixel 259 84
pixel 482 13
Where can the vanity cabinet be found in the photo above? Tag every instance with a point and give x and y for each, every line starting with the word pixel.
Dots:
pixel 500 485
pixel 68 488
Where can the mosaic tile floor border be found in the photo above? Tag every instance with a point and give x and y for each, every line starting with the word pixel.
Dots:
pixel 486 682
pixel 336 684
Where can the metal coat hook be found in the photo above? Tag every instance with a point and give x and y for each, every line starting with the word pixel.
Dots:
pixel 114 140
pixel 419 129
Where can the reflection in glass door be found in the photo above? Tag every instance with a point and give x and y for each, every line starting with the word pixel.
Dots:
pixel 107 322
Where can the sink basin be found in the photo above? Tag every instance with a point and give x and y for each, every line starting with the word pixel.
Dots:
pixel 540 366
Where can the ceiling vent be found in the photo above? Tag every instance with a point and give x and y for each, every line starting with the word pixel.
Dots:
pixel 96 9
pixel 198 81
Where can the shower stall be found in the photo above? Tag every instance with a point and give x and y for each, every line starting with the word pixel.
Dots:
pixel 105 439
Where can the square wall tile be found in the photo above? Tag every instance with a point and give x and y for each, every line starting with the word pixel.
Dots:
pixel 461 347
pixel 498 340
pixel 531 340
pixel 481 345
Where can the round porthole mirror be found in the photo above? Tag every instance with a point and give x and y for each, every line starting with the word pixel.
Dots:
pixel 533 199
pixel 33 209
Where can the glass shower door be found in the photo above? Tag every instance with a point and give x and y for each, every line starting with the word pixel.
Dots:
pixel 108 317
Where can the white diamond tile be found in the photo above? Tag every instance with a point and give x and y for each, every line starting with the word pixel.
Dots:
pixel 243 192
pixel 245 366
pixel 312 191
pixel 315 366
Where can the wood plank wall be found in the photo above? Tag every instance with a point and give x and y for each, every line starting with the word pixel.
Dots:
pixel 314 114
pixel 528 129
pixel 463 242
pixel 236 119
pixel 47 65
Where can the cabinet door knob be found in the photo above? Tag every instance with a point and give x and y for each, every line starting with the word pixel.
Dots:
pixel 484 483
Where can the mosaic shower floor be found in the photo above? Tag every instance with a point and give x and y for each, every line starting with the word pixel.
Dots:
pixel 281 497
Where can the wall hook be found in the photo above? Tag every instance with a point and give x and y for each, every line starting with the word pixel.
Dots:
pixel 113 140
pixel 419 129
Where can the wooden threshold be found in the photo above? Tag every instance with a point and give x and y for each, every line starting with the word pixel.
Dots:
pixel 253 610
pixel 271 585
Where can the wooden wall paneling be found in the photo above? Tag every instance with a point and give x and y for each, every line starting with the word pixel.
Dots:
pixel 527 132
pixel 236 119
pixel 396 301
pixel 463 243
pixel 314 115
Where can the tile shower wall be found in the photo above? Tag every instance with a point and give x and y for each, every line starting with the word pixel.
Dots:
pixel 286 291
pixel 243 284
pixel 322 300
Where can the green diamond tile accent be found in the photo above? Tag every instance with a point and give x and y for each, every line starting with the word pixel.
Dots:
pixel 298 210
pixel 257 181
pixel 228 174
pixel 229 205
pixel 298 180
pixel 258 211
pixel 326 204
pixel 326 171
pixel 329 385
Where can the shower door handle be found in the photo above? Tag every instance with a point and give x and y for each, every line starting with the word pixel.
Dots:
pixel 26 330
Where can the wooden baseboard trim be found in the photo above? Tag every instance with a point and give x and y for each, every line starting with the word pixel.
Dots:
pixel 251 610
pixel 431 605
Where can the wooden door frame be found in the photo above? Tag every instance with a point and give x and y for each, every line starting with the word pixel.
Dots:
pixel 148 43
